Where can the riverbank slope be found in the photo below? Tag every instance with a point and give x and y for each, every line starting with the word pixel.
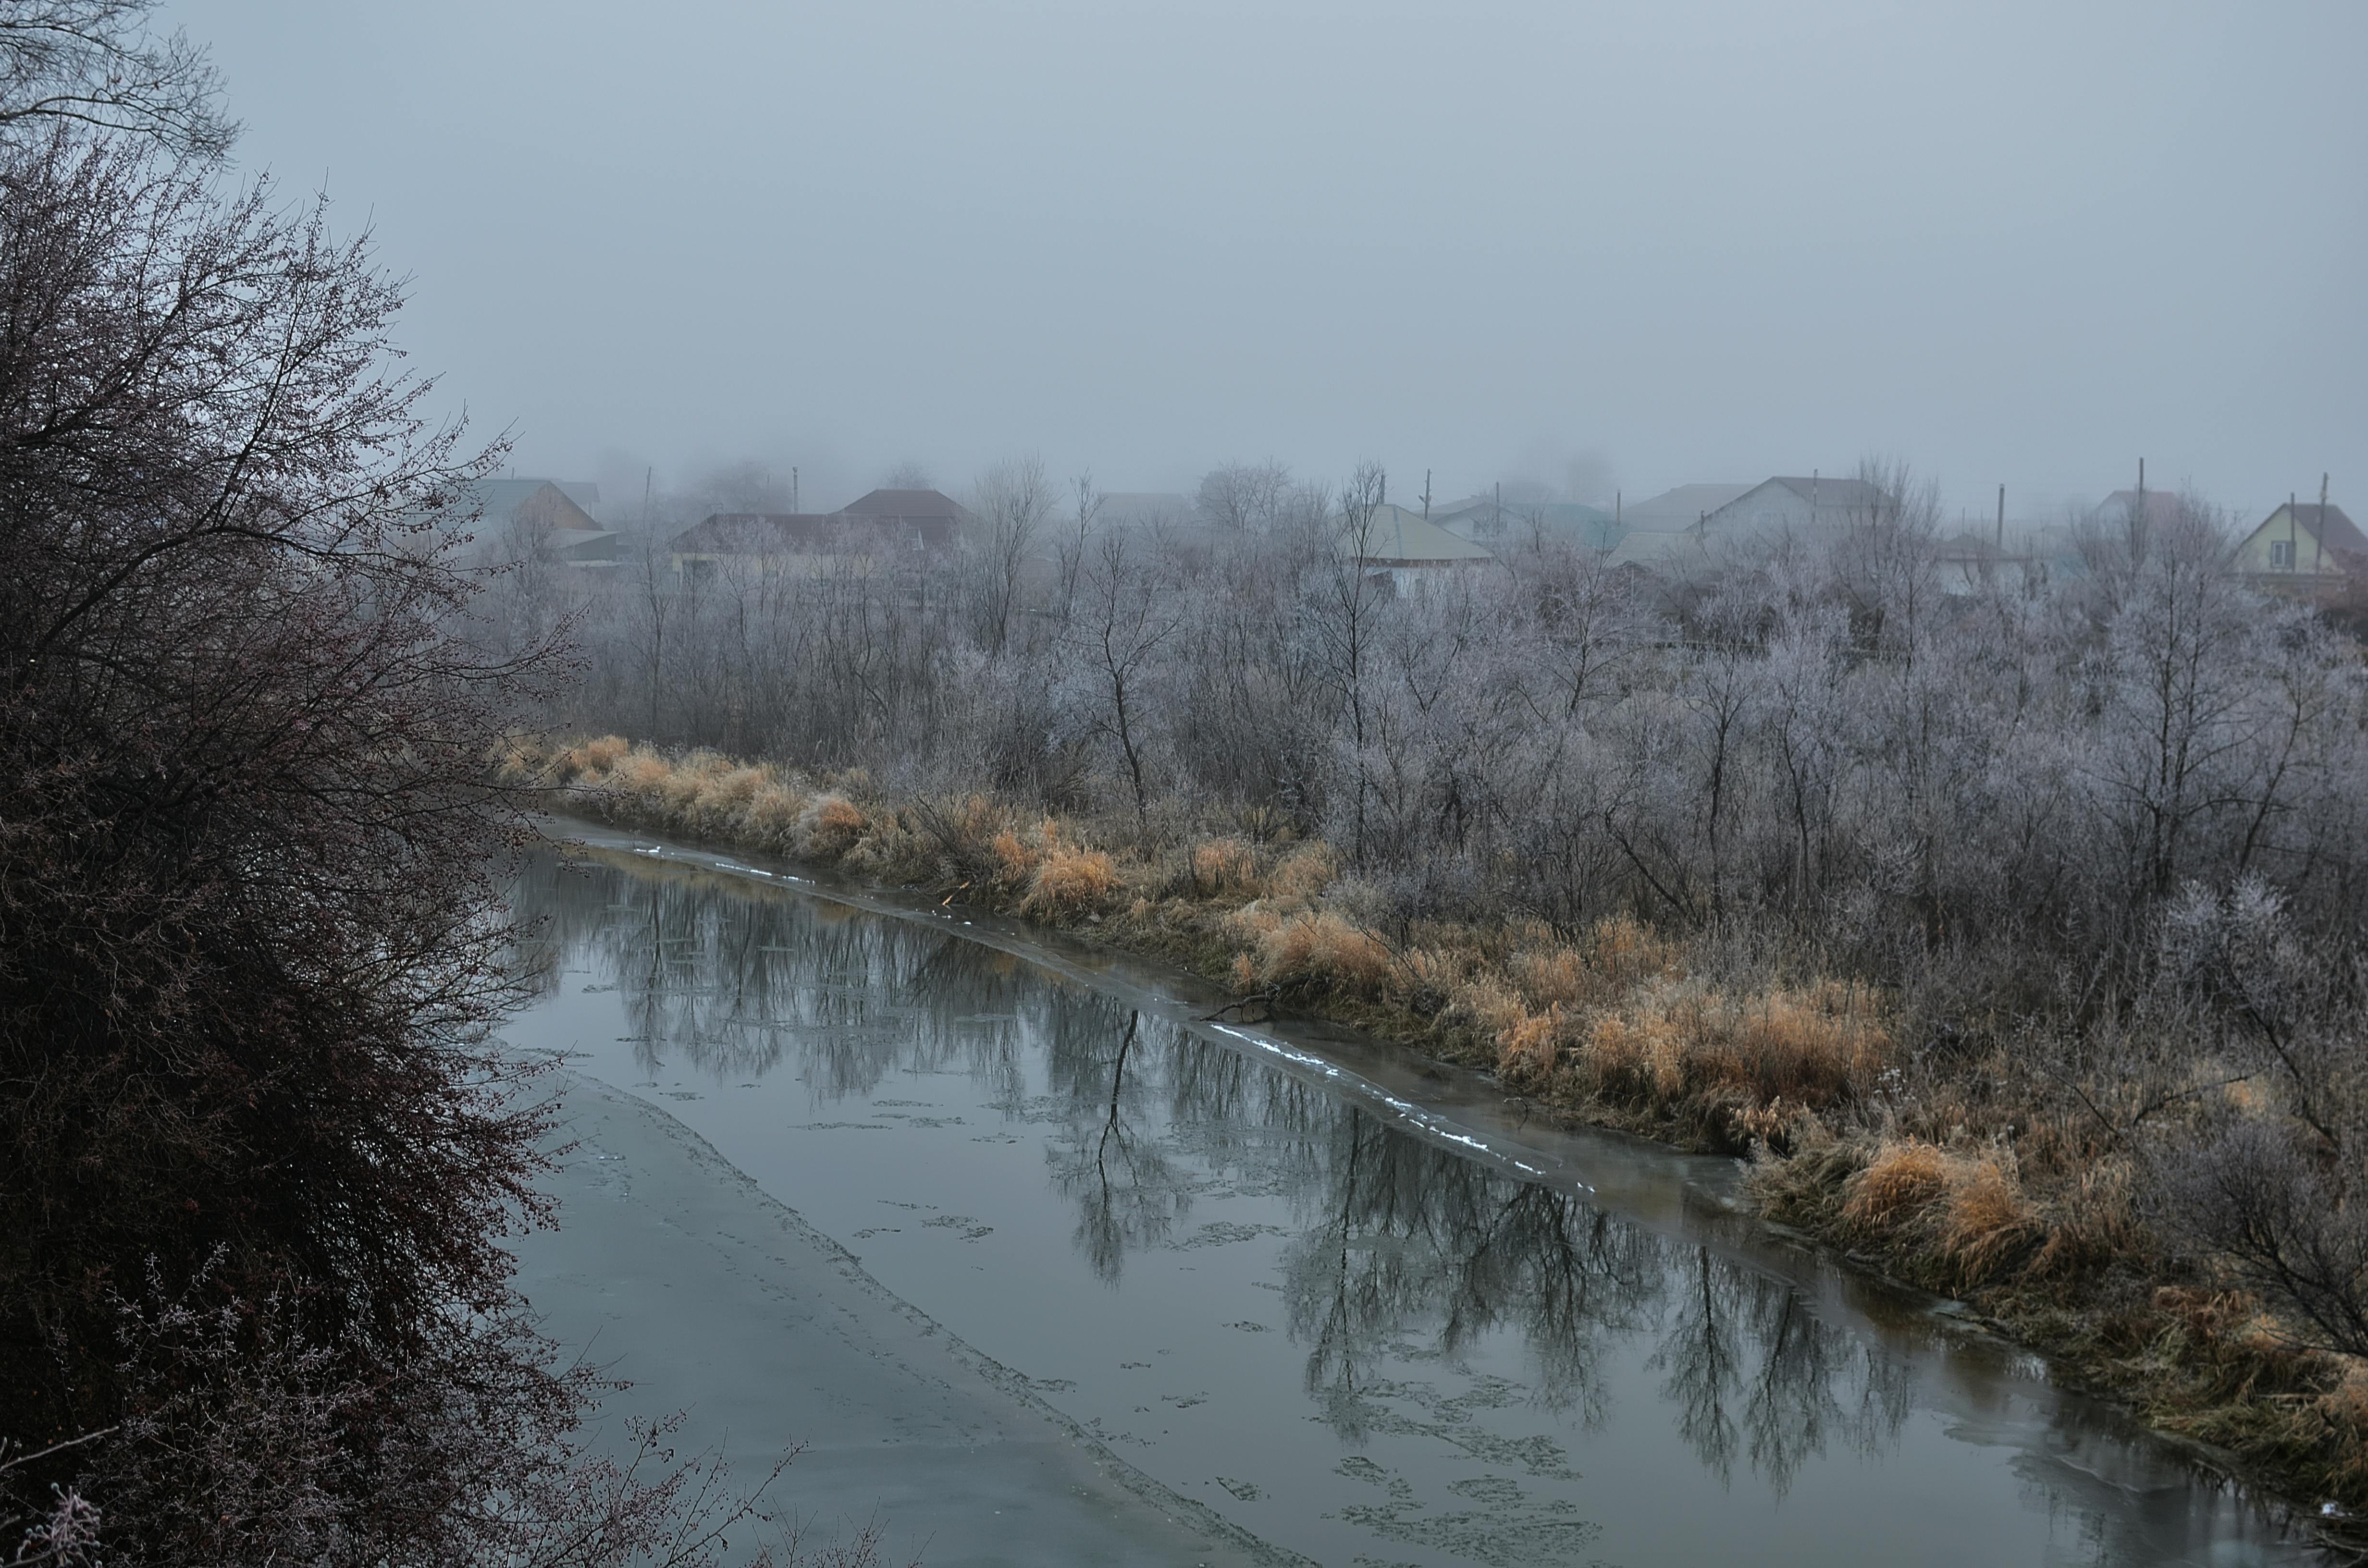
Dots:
pixel 2026 1217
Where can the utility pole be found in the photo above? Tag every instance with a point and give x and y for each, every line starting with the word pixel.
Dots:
pixel 1497 517
pixel 1616 523
pixel 793 487
pixel 2294 512
pixel 649 476
pixel 2001 520
pixel 2318 535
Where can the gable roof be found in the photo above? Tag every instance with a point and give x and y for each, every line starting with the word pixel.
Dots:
pixel 2161 506
pixel 1825 498
pixel 910 504
pixel 501 498
pixel 1468 518
pixel 1680 508
pixel 2327 525
pixel 748 533
pixel 1658 547
pixel 1401 537
pixel 1853 494
pixel 802 533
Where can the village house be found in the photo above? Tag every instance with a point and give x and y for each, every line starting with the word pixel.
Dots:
pixel 2305 546
pixel 554 516
pixel 1663 532
pixel 1400 546
pixel 1508 523
pixel 1688 528
pixel 1800 508
pixel 879 525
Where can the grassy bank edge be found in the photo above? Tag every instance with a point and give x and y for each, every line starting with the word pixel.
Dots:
pixel 1616 1026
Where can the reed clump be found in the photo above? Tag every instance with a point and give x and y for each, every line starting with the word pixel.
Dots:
pixel 1608 1021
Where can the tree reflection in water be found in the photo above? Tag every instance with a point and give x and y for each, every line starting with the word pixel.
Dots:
pixel 1403 1251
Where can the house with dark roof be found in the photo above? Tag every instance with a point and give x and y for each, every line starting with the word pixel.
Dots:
pixel 929 512
pixel 2304 546
pixel 572 503
pixel 551 516
pixel 884 525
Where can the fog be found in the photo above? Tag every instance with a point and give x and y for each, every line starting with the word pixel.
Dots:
pixel 1599 245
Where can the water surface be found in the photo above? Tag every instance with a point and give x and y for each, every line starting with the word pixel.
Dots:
pixel 1355 1305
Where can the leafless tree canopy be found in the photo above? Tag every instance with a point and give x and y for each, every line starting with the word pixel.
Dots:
pixel 101 65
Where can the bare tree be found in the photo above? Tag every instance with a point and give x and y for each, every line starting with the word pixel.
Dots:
pixel 1012 501
pixel 1240 498
pixel 1124 623
pixel 1071 551
pixel 1348 594
pixel 100 64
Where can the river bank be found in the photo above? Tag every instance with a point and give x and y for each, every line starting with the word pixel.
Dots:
pixel 1358 1328
pixel 1619 1028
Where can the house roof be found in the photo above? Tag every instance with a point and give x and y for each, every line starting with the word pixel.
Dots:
pixel 1854 494
pixel 734 533
pixel 2161 506
pixel 1681 507
pixel 585 545
pixel 1568 515
pixel 2327 525
pixel 1823 497
pixel 1654 547
pixel 790 533
pixel 501 498
pixel 1401 537
pixel 911 504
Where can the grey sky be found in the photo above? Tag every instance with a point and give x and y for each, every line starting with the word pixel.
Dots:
pixel 1682 239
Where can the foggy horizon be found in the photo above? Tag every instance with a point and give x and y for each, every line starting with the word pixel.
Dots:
pixel 1597 249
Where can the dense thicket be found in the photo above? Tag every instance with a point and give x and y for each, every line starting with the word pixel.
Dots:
pixel 1834 732
pixel 256 1149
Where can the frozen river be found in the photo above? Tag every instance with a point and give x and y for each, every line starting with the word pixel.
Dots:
pixel 1041 1270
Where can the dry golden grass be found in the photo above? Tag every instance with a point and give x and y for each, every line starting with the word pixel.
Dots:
pixel 773 812
pixel 1962 1210
pixel 1068 880
pixel 1304 873
pixel 1988 1226
pixel 1316 949
pixel 1813 1047
pixel 1531 1050
pixel 1015 862
pixel 1896 1187
pixel 2093 1221
pixel 829 826
pixel 1637 1058
pixel 1224 866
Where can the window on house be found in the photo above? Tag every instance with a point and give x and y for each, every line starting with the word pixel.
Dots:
pixel 2282 553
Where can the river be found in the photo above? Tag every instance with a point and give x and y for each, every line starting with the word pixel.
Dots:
pixel 1041 1267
